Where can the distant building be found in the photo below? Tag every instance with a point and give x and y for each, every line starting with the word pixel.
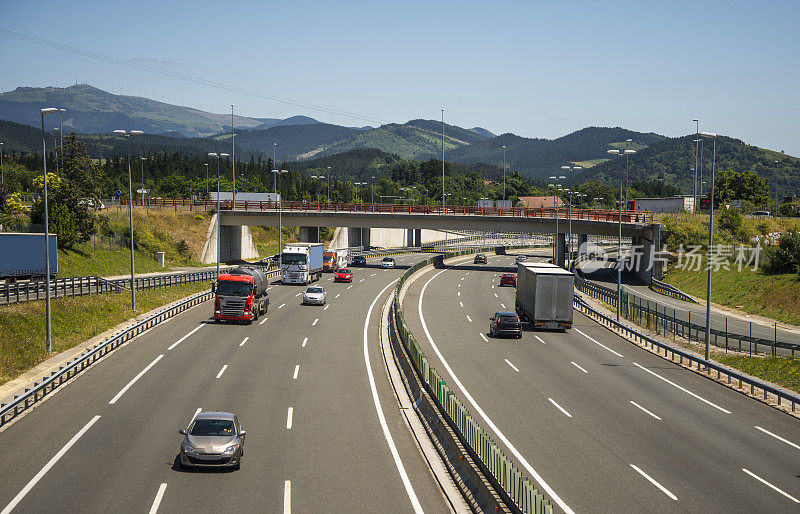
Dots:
pixel 227 196
pixel 673 204
pixel 490 183
pixel 540 202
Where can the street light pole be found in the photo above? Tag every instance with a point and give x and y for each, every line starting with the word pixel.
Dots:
pixel 61 134
pixel 373 190
pixel 233 158
pixel 713 137
pixel 504 173
pixel 2 177
pixel 443 161
pixel 130 209
pixel 619 241
pixel 274 165
pixel 329 184
pixel 206 180
pixel 46 235
pixel 696 149
pixel 142 171
pixel 55 149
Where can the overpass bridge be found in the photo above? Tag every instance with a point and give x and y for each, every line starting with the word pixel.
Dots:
pixel 360 218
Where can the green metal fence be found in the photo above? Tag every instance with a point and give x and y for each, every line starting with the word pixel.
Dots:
pixel 518 487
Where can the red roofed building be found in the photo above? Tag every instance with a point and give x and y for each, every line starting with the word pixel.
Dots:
pixel 539 202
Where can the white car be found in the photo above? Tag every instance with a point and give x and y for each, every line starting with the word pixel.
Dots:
pixel 314 295
pixel 387 263
pixel 521 258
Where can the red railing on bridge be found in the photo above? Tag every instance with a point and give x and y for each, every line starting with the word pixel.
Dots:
pixel 296 206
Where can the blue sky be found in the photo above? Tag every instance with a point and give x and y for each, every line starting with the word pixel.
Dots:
pixel 538 69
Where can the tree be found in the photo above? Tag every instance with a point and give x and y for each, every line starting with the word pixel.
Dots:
pixel 745 186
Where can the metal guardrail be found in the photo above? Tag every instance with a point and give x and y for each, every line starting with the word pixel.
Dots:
pixel 670 290
pixel 518 488
pixel 49 384
pixel 678 355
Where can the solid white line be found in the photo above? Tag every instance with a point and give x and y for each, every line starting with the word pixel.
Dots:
pixel 412 496
pixel 779 438
pixel 598 343
pixel 559 407
pixel 304 342
pixel 726 411
pixel 222 370
pixel 540 339
pixel 263 321
pixel 326 307
pixel 645 410
pixel 484 338
pixel 287 497
pixel 137 377
pixel 315 322
pixel 577 366
pixel 198 411
pixel 179 341
pixel 373 274
pixel 337 295
pixel 298 294
pixel 296 370
pixel 512 366
pixel 289 418
pixel 468 318
pixel 46 468
pixel 650 479
pixel 461 304
pixel 157 500
pixel 770 485
pixel 281 306
pixel 538 478
pixel 244 341
pixel 502 305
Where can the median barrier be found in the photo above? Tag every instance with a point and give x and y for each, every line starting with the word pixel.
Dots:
pixel 511 484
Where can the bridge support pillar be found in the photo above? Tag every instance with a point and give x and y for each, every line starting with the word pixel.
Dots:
pixel 308 235
pixel 358 237
pixel 582 240
pixel 561 249
pixel 236 243
pixel 647 264
pixel 413 237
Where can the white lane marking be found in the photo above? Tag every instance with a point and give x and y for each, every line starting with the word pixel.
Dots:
pixel 270 287
pixel 222 370
pixel 468 318
pixel 484 338
pixel 182 339
pixel 304 342
pixel 287 497
pixel 726 411
pixel 337 295
pixel 462 278
pixel 133 381
pixel 157 500
pixel 495 295
pixel 198 411
pixel 502 305
pixel 361 280
pixel 349 287
pixel 645 410
pixel 298 294
pixel 461 304
pixel 25 490
pixel 538 478
pixel 559 407
pixel 412 496
pixel 598 343
pixel 296 371
pixel 244 341
pixel 281 306
pixel 459 285
pixel 779 438
pixel 512 366
pixel 326 307
pixel 770 485
pixel 540 339
pixel 459 293
pixel 492 286
pixel 315 322
pixel 263 321
pixel 652 481
pixel 289 418
pixel 373 274
pixel 577 366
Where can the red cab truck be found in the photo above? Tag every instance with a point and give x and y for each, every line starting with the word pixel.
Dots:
pixel 241 295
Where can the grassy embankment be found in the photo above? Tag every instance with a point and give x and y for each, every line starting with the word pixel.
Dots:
pixel 74 320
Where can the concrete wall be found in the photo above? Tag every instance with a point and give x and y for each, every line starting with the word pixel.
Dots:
pixel 236 243
pixel 344 237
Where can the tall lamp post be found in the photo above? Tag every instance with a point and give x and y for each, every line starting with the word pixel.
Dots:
pixel 316 179
pixel 127 136
pixel 233 158
pixel 218 156
pixel 206 164
pixel 619 238
pixel 2 177
pixel 713 137
pixel 142 159
pixel 504 173
pixel 555 186
pixel 55 147
pixel 274 166
pixel 696 142
pixel 373 191
pixel 49 338
pixel 443 162
pixel 329 184
pixel 575 169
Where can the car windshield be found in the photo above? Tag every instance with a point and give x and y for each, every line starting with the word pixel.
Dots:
pixel 344 270
pixel 314 290
pixel 212 427
pixel 388 259
pixel 233 288
pixel 294 258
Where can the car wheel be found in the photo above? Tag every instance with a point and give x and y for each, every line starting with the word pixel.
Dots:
pixel 238 465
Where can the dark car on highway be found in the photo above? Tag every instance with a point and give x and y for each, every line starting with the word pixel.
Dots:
pixel 508 279
pixel 505 324
pixel 213 439
pixel 359 260
pixel 480 259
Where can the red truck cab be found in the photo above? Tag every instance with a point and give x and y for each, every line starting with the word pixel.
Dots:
pixel 234 298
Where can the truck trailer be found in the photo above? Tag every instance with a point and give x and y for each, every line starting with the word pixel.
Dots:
pixel 241 295
pixel 302 263
pixel 544 296
pixel 22 256
pixel 332 260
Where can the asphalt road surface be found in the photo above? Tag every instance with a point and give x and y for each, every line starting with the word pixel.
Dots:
pixel 601 424
pixel 78 451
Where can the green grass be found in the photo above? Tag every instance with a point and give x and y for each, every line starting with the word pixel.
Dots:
pixel 771 296
pixel 590 163
pixel 784 371
pixel 87 259
pixel 74 320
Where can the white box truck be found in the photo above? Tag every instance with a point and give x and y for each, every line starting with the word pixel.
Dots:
pixel 544 296
pixel 301 263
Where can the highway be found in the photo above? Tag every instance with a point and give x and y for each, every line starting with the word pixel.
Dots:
pixel 603 425
pixel 299 383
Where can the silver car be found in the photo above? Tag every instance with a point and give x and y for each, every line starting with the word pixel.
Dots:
pixel 314 295
pixel 213 439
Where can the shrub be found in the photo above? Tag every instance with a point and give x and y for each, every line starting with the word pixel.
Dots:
pixel 183 248
pixel 785 257
pixel 199 217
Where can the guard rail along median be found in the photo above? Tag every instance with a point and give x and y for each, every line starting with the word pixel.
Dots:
pixel 520 492
pixel 678 355
pixel 670 290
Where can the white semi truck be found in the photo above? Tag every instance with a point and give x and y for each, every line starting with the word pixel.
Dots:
pixel 544 296
pixel 301 263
